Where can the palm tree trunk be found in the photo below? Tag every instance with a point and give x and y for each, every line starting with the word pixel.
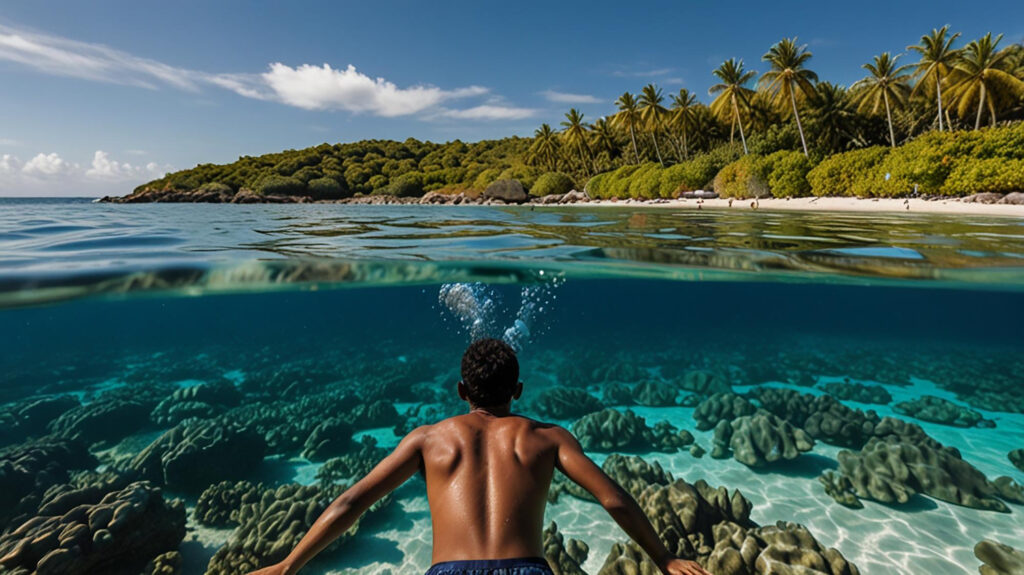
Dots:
pixel 938 93
pixel 632 136
pixel 686 149
pixel 736 111
pixel 583 159
pixel 888 115
pixel 799 127
pixel 675 146
pixel 981 106
pixel 654 136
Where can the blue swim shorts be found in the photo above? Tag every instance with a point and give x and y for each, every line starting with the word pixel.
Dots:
pixel 516 566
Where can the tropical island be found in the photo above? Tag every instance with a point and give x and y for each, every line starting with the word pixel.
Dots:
pixel 946 126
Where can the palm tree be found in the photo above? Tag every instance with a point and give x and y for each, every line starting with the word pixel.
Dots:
pixel 834 118
pixel 603 137
pixel 575 133
pixel 652 114
pixel 886 85
pixel 682 111
pixel 546 148
pixel 732 91
pixel 983 74
pixel 788 76
pixel 937 60
pixel 628 116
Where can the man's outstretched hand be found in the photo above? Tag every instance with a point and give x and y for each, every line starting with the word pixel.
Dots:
pixel 682 567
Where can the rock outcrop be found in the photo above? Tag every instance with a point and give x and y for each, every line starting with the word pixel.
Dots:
pixel 999 559
pixel 76 533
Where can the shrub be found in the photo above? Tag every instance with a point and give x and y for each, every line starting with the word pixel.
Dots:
pixel 326 189
pixel 618 185
pixel 216 187
pixel 975 176
pixel 839 174
pixel 486 178
pixel 551 183
pixel 527 175
pixel 743 178
pixel 281 186
pixel 787 174
pixel 644 183
pixel 407 185
pixel 597 187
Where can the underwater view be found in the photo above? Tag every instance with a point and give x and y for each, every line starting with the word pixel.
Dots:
pixel 185 388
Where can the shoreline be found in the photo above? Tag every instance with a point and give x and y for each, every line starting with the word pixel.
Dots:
pixel 836 204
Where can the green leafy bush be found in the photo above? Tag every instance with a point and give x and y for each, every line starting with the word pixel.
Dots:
pixel 975 176
pixel 838 175
pixel 645 182
pixel 406 186
pixel 327 189
pixel 787 174
pixel 216 187
pixel 527 175
pixel 552 183
pixel 744 178
pixel 275 185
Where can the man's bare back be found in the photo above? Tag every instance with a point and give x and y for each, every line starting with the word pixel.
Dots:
pixel 487 474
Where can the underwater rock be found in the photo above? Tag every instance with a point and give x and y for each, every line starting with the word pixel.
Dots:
pixel 904 431
pixel 611 430
pixel 218 504
pixel 938 410
pixel 998 559
pixel 993 400
pixel 118 533
pixel 705 383
pixel 892 470
pixel 103 420
pixel 838 424
pixel 330 438
pixel 30 417
pixel 721 407
pixel 164 564
pixel 196 454
pixel 713 528
pixel 697 451
pixel 271 526
pixel 28 470
pixel 564 557
pixel 1016 457
pixel 202 401
pixel 380 413
pixel 352 466
pixel 1009 489
pixel 759 439
pixel 655 394
pixel 858 392
pixel 564 403
pixel 617 394
pixel 787 404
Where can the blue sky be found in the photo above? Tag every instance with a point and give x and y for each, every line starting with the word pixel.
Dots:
pixel 96 97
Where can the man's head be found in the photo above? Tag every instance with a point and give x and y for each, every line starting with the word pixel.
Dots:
pixel 490 374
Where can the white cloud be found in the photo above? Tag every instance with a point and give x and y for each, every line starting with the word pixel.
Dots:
pixel 324 88
pixel 9 143
pixel 569 98
pixel 490 112
pixel 46 165
pixel 304 86
pixel 9 164
pixel 105 168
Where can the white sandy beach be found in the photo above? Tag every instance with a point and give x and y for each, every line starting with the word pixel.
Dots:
pixel 821 204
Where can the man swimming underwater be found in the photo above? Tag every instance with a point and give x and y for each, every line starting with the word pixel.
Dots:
pixel 487 474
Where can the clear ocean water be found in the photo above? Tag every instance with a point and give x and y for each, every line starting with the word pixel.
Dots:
pixel 289 305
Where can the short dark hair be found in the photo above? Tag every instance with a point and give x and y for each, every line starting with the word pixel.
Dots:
pixel 490 372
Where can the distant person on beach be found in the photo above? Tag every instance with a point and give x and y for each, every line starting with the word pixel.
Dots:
pixel 487 474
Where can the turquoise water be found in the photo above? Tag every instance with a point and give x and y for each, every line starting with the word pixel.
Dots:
pixel 292 317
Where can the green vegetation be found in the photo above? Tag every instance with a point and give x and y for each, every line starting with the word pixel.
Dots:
pixel 947 124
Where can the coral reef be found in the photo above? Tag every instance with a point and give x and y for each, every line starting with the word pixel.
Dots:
pixel 938 410
pixel 564 557
pixel 998 559
pixel 859 392
pixel 617 394
pixel 354 465
pixel 85 531
pixel 29 469
pixel 564 403
pixel 611 430
pixel 103 420
pixel 892 469
pixel 704 383
pixel 196 454
pixel 721 407
pixel 1016 457
pixel 29 417
pixel 203 401
pixel 760 439
pixel 219 503
pixel 332 437
pixel 655 394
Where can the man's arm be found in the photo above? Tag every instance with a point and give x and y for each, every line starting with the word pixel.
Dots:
pixel 343 512
pixel 620 505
